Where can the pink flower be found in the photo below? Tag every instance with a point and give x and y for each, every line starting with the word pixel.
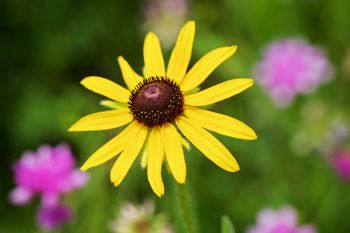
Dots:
pixel 48 172
pixel 281 221
pixel 291 67
pixel 50 217
pixel 340 162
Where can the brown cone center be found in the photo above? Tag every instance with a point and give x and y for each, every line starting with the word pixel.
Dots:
pixel 156 101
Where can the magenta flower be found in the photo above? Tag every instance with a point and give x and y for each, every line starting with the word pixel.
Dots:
pixel 291 67
pixel 48 172
pixel 340 162
pixel 281 221
pixel 50 217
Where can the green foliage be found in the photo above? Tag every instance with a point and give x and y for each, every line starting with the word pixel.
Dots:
pixel 47 47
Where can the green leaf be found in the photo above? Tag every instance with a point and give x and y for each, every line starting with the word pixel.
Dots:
pixel 226 225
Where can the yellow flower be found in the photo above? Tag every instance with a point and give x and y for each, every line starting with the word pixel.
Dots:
pixel 156 106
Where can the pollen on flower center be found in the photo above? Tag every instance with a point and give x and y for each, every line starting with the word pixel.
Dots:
pixel 155 101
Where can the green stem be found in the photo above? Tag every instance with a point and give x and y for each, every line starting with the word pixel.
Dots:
pixel 185 211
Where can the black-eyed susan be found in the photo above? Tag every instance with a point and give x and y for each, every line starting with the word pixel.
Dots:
pixel 157 105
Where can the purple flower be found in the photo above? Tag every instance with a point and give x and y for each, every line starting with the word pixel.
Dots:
pixel 48 172
pixel 340 162
pixel 50 217
pixel 291 67
pixel 281 221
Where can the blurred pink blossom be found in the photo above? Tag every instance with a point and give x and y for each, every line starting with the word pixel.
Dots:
pixel 291 67
pixel 340 161
pixel 49 172
pixel 284 220
pixel 50 217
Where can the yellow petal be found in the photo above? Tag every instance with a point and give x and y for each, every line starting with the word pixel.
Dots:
pixel 131 78
pixel 153 57
pixel 181 54
pixel 106 88
pixel 155 160
pixel 219 92
pixel 173 152
pixel 205 66
pixel 133 146
pixel 102 120
pixel 220 123
pixel 111 148
pixel 207 144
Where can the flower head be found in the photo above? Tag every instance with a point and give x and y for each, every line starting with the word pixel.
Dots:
pixel 139 219
pixel 48 172
pixel 281 221
pixel 340 161
pixel 291 67
pixel 157 105
pixel 50 217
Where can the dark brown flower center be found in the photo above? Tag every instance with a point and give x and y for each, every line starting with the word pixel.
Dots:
pixel 155 101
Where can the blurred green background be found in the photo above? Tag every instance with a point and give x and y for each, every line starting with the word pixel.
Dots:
pixel 47 47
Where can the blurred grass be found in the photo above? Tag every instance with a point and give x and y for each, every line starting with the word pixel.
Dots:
pixel 47 47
